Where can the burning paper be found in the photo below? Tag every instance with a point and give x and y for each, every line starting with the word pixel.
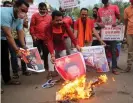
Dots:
pixel 79 88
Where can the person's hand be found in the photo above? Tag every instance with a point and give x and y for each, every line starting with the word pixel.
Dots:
pixel 78 48
pixel 19 53
pixel 103 43
pixel 53 58
pixel 34 38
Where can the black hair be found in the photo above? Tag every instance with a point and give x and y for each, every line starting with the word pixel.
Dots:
pixel 83 9
pixel 96 8
pixel 56 13
pixel 6 2
pixel 42 4
pixel 18 3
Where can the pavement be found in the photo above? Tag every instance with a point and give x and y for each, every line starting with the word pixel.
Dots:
pixel 30 91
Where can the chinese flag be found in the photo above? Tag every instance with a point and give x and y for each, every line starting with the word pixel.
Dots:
pixel 70 67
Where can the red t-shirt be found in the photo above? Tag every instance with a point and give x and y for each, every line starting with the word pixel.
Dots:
pixel 38 25
pixel 108 14
pixel 55 41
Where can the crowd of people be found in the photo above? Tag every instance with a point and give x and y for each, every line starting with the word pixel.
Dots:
pixel 57 34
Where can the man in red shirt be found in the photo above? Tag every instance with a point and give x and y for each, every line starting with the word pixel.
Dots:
pixel 107 15
pixel 55 36
pixel 37 27
pixel 68 20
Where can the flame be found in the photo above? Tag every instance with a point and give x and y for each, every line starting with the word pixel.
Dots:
pixel 79 88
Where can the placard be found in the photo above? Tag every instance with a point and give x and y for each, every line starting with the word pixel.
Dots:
pixel 110 33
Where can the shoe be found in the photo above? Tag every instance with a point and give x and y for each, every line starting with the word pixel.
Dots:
pixel 15 76
pixel 26 73
pixel 115 72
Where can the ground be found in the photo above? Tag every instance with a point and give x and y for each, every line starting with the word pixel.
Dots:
pixel 30 91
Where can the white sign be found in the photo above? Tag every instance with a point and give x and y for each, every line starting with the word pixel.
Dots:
pixel 66 4
pixel 95 57
pixel 110 33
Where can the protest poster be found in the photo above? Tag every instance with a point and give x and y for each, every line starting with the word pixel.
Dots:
pixel 34 61
pixel 70 67
pixel 66 4
pixel 110 33
pixel 95 57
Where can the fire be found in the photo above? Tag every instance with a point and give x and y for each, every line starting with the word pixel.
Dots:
pixel 79 88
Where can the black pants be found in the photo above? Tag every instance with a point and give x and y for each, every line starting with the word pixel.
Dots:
pixel 42 48
pixel 96 43
pixel 5 63
pixel 14 59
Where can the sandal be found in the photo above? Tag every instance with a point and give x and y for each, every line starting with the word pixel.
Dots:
pixel 15 76
pixel 115 72
pixel 13 83
pixel 26 73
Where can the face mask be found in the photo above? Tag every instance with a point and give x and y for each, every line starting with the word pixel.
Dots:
pixel 21 15
pixel 105 2
pixel 42 14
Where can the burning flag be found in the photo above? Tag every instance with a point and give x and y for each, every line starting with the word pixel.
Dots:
pixel 79 88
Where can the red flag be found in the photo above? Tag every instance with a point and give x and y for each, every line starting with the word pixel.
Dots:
pixel 71 67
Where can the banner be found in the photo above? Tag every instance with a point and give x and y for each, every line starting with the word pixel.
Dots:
pixel 71 67
pixel 110 33
pixel 34 61
pixel 66 4
pixel 95 57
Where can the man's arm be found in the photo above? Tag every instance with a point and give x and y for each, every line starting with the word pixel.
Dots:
pixel 21 37
pixel 72 37
pixel 32 27
pixel 97 36
pixel 9 37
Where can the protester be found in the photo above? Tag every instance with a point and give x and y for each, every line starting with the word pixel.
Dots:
pixel 128 16
pixel 55 36
pixel 98 28
pixel 7 4
pixel 68 20
pixel 37 27
pixel 11 18
pixel 14 59
pixel 107 15
pixel 84 28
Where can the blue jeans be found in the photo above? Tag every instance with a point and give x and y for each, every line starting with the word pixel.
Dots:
pixel 113 46
pixel 14 59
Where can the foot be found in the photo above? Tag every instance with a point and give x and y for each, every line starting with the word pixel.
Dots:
pixel 127 70
pixel 15 76
pixel 115 72
pixel 26 73
pixel 11 82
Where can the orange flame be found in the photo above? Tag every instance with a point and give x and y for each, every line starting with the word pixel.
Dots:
pixel 79 88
